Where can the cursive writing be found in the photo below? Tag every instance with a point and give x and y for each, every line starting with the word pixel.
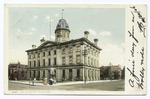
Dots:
pixel 132 34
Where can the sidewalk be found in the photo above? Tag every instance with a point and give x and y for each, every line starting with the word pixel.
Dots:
pixel 59 84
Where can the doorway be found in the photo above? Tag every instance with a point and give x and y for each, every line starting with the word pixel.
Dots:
pixel 70 74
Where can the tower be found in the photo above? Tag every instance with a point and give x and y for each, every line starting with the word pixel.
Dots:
pixel 62 31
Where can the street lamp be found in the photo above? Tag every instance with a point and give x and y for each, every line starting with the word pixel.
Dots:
pixel 84 53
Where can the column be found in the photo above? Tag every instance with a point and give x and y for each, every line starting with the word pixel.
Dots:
pixel 32 74
pixel 74 55
pixel 81 74
pixel 58 57
pixel 66 73
pixel 46 73
pixel 28 74
pixel 74 73
pixel 58 75
pixel 87 78
pixel 36 74
pixel 41 75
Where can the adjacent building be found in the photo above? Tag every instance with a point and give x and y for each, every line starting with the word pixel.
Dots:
pixel 64 59
pixel 17 71
pixel 110 71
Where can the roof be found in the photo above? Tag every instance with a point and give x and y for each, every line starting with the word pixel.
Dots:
pixel 64 43
pixel 62 24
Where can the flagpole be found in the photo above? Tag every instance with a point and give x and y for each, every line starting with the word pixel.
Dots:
pixel 50 29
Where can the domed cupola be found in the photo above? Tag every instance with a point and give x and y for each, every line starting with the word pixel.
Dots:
pixel 62 24
pixel 62 29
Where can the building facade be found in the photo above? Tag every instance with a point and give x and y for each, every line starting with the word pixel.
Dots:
pixel 111 70
pixel 64 59
pixel 17 71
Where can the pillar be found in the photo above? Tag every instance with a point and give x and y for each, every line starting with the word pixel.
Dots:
pixel 66 74
pixel 58 75
pixel 46 73
pixel 28 74
pixel 32 74
pixel 74 73
pixel 41 75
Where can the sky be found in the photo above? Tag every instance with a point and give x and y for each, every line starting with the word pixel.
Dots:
pixel 27 25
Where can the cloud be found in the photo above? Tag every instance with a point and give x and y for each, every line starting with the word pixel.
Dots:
pixel 48 17
pixel 56 15
pixel 33 29
pixel 105 33
pixel 92 32
pixel 35 17
pixel 112 53
pixel 20 33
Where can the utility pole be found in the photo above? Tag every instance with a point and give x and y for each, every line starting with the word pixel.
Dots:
pixel 84 53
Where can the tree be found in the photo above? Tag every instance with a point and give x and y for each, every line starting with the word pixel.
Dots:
pixel 105 73
pixel 116 74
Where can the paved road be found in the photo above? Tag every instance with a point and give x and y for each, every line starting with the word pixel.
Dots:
pixel 98 86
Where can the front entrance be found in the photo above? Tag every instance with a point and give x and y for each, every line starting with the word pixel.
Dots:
pixel 70 74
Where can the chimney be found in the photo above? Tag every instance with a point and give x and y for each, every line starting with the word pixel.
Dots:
pixel 33 46
pixel 42 40
pixel 86 34
pixel 95 41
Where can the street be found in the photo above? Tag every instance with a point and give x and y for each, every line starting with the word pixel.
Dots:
pixel 97 86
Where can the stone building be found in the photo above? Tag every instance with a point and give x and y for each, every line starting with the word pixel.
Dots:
pixel 17 71
pixel 64 59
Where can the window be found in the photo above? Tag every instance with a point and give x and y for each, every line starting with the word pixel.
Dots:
pixel 30 74
pixel 38 74
pixel 70 59
pixel 43 62
pixel 78 73
pixel 34 74
pixel 54 52
pixel 63 34
pixel 63 51
pixel 78 48
pixel 64 73
pixel 29 56
pixel 89 50
pixel 95 62
pixel 89 60
pixel 54 61
pixel 49 53
pixel 49 61
pixel 33 55
pixel 70 50
pixel 30 63
pixel 63 60
pixel 38 55
pixel 88 73
pixel 78 59
pixel 92 61
pixel 39 63
pixel 55 73
pixel 34 63
pixel 43 74
pixel 43 54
